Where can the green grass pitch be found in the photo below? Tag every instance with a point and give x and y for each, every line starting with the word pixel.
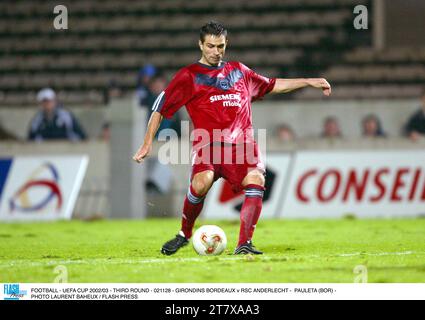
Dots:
pixel 310 251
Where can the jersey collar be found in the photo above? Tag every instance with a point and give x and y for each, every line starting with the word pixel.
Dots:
pixel 221 66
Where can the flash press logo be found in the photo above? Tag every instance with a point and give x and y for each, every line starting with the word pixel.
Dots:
pixel 13 292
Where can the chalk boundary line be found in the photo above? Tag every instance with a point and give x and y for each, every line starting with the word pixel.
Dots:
pixel 248 258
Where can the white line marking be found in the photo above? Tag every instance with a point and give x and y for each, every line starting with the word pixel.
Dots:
pixel 115 261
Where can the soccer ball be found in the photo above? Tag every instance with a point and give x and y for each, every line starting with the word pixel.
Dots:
pixel 209 240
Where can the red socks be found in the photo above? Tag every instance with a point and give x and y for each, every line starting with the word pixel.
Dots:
pixel 250 212
pixel 192 207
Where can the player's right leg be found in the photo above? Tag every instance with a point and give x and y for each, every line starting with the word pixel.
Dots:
pixel 193 204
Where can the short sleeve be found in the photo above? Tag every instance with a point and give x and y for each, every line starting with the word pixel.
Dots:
pixel 259 85
pixel 176 95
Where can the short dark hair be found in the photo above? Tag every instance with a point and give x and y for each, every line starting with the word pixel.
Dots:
pixel 212 28
pixel 331 118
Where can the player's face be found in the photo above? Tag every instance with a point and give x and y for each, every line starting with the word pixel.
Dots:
pixel 213 49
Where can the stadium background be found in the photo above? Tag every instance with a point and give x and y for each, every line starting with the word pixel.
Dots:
pixel 95 64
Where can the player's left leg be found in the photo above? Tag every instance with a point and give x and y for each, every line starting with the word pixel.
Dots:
pixel 253 184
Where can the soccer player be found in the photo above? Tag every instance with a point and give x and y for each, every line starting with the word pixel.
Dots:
pixel 218 95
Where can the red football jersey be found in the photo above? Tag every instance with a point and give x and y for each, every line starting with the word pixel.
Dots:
pixel 218 100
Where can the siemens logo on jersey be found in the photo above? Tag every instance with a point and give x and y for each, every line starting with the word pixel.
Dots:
pixel 229 100
pixel 230 96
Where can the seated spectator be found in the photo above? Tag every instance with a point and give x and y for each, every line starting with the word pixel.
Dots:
pixel 415 127
pixel 371 127
pixel 285 133
pixel 53 122
pixel 331 128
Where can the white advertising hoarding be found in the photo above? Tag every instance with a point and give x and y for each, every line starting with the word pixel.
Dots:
pixel 328 184
pixel 222 203
pixel 362 183
pixel 40 188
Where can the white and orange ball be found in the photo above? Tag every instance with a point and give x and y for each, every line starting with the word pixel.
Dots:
pixel 209 240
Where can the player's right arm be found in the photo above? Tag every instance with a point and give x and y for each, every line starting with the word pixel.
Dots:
pixel 146 147
pixel 176 95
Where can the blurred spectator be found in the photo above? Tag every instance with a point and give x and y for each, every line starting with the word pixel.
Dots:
pixel 112 90
pixel 144 78
pixel 159 176
pixel 158 84
pixel 285 133
pixel 415 127
pixel 331 128
pixel 6 135
pixel 105 133
pixel 371 126
pixel 53 122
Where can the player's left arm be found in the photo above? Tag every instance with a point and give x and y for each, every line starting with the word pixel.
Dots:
pixel 288 85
